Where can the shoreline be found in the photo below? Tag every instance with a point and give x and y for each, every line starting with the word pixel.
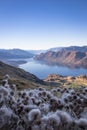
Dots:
pixel 15 63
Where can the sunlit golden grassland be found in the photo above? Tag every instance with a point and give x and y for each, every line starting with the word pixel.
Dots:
pixel 67 81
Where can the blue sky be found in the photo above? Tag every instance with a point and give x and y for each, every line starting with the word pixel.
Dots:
pixel 41 24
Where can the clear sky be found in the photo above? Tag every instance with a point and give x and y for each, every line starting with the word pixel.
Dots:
pixel 41 24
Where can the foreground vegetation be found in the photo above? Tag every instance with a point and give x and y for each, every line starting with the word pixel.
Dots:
pixel 41 109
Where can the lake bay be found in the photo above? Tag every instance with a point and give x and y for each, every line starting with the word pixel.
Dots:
pixel 42 70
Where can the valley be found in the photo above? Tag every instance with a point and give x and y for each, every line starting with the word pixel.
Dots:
pixel 63 66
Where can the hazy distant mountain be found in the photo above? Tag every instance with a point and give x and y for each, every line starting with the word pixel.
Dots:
pixel 55 49
pixel 70 56
pixel 37 51
pixel 14 54
pixel 44 51
pixel 75 48
pixel 71 48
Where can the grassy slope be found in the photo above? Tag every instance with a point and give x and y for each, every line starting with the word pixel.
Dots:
pixel 20 77
pixel 68 81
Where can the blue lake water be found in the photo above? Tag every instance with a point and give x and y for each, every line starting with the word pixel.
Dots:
pixel 42 70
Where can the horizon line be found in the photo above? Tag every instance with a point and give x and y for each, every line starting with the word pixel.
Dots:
pixel 42 48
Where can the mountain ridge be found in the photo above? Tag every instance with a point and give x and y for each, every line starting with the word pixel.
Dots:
pixel 70 48
pixel 66 57
pixel 14 53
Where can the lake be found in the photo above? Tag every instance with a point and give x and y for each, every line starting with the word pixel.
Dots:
pixel 42 70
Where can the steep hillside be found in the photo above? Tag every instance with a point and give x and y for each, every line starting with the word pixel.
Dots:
pixel 19 76
pixel 64 57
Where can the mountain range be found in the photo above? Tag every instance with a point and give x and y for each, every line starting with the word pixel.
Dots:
pixel 71 48
pixel 69 56
pixel 14 54
pixel 73 56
